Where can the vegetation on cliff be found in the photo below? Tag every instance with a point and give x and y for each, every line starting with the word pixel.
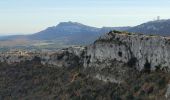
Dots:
pixel 31 80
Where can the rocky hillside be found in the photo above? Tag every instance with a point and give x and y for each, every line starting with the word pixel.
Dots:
pixel 127 66
pixel 142 51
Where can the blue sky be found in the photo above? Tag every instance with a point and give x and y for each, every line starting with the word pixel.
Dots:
pixel 30 16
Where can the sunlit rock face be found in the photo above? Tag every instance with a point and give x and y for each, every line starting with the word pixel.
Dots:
pixel 139 51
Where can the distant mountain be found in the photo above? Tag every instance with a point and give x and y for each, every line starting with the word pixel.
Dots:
pixel 158 27
pixel 73 33
pixel 11 37
pixel 67 31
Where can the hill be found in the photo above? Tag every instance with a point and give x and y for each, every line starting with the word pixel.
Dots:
pixel 158 27
pixel 73 33
pixel 66 34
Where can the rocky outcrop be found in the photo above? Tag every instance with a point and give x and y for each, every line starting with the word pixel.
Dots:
pixel 145 53
pixel 69 57
pixel 64 59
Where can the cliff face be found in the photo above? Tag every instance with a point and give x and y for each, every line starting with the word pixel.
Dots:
pixel 140 51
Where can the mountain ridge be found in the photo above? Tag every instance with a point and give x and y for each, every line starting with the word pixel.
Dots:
pixel 74 33
pixel 157 27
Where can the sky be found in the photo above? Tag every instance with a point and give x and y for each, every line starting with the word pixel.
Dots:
pixel 31 16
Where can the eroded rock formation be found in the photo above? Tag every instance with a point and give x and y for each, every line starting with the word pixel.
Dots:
pixel 143 52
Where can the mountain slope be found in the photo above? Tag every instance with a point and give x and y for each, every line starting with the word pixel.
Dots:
pixel 159 27
pixel 64 29
pixel 73 33
pixel 69 32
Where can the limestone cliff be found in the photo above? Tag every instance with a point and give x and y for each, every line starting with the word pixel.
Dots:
pixel 140 51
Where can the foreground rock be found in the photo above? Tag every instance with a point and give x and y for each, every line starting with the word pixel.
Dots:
pixel 145 53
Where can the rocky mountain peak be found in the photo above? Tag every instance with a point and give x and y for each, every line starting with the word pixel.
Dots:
pixel 69 23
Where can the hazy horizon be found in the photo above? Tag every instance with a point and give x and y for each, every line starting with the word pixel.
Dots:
pixel 30 16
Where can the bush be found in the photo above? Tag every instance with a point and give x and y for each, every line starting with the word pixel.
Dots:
pixel 132 62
